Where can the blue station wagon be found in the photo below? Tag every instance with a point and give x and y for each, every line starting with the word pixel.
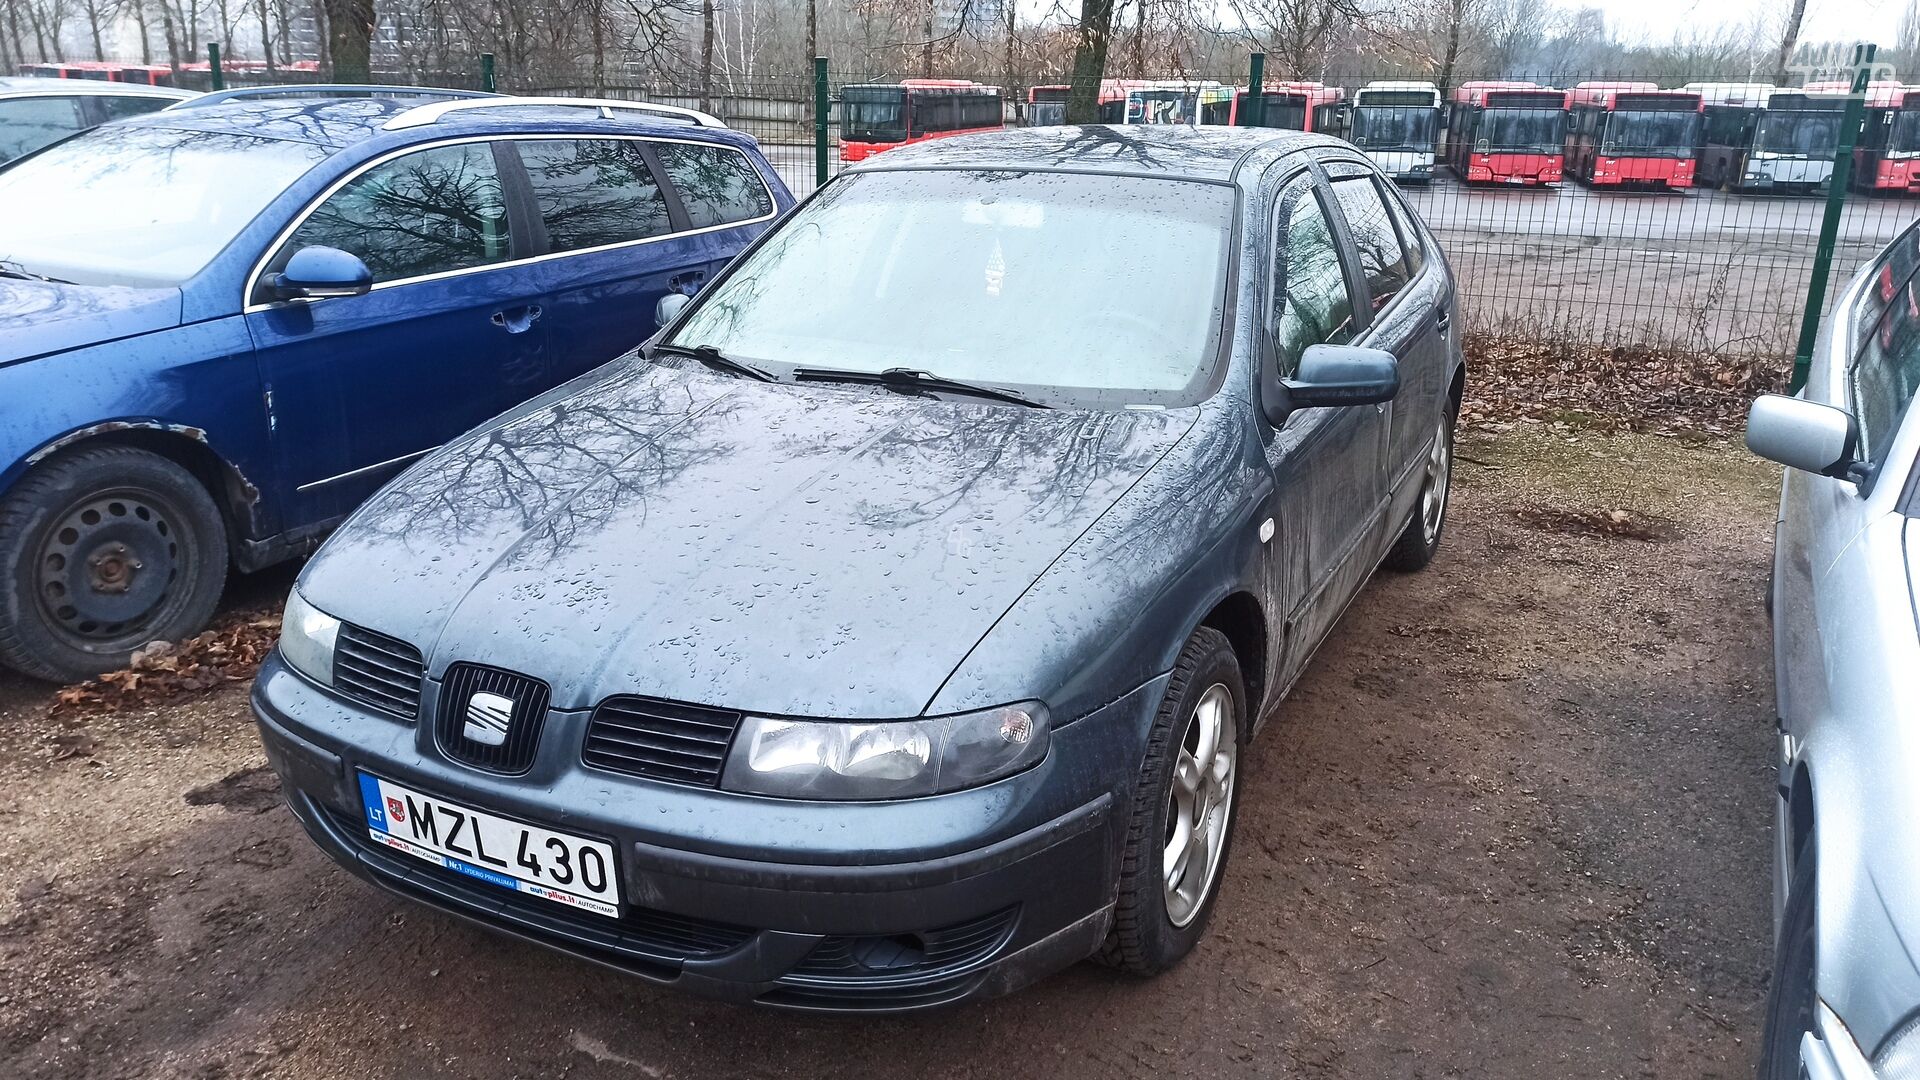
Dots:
pixel 226 326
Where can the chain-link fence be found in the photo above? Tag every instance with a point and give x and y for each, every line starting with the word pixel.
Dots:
pixel 1575 207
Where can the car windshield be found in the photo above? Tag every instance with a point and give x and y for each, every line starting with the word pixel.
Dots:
pixel 1652 134
pixel 1394 127
pixel 1809 134
pixel 1536 131
pixel 1098 290
pixel 140 206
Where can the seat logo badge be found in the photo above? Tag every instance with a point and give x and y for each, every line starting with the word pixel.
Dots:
pixel 487 718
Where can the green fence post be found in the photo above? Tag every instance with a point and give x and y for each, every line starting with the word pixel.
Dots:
pixel 1256 111
pixel 213 66
pixel 820 104
pixel 1830 225
pixel 486 72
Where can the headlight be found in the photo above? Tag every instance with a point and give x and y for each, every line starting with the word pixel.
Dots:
pixel 815 759
pixel 307 635
pixel 1899 1056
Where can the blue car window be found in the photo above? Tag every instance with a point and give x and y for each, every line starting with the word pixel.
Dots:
pixel 718 185
pixel 1382 262
pixel 428 212
pixel 114 107
pixel 29 123
pixel 1310 301
pixel 594 192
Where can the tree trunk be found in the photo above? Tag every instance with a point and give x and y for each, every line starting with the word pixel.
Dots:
pixel 1010 90
pixel 1090 61
pixel 1456 14
pixel 39 34
pixel 173 41
pixel 324 34
pixel 13 31
pixel 93 28
pixel 813 33
pixel 350 39
pixel 146 43
pixel 266 34
pixel 599 49
pixel 1140 36
pixel 1788 39
pixel 706 56
pixel 926 45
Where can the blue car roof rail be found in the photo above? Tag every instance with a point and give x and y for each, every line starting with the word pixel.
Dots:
pixel 422 115
pixel 317 90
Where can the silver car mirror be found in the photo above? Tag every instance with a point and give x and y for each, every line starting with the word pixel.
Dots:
pixel 669 308
pixel 1803 435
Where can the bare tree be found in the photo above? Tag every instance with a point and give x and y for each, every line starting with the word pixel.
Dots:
pixel 1093 36
pixel 350 39
pixel 1789 37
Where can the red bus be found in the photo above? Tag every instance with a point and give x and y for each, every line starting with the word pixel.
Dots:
pixel 1632 133
pixel 1295 106
pixel 1507 133
pixel 91 69
pixel 143 74
pixel 880 116
pixel 1888 157
pixel 1047 105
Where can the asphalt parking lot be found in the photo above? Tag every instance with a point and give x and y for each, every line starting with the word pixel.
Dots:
pixel 1515 822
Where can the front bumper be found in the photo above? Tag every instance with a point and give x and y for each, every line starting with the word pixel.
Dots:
pixel 857 907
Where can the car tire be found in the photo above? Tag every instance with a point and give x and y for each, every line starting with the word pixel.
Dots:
pixel 1791 998
pixel 108 548
pixel 1155 924
pixel 1421 538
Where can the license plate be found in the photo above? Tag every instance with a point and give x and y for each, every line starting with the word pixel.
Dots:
pixel 555 866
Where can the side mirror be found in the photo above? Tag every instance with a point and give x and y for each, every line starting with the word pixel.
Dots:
pixel 315 272
pixel 1804 435
pixel 669 308
pixel 1330 377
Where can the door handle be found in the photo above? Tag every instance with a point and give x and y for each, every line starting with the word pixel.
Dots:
pixel 1444 321
pixel 517 320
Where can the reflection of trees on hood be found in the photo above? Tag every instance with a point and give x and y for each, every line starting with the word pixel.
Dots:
pixel 552 471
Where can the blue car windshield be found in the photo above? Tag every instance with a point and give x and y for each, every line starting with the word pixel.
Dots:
pixel 137 205
pixel 1101 290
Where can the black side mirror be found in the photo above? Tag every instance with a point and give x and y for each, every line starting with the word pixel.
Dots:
pixel 1330 377
pixel 315 272
pixel 669 308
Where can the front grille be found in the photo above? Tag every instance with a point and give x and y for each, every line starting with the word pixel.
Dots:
pixel 661 740
pixel 843 960
pixel 377 670
pixel 529 714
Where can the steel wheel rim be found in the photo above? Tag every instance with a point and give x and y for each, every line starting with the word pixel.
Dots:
pixel 1199 804
pixel 1433 498
pixel 110 566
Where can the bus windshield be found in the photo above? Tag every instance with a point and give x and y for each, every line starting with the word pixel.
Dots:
pixel 1651 134
pixel 1798 134
pixel 1533 131
pixel 873 114
pixel 1049 109
pixel 1284 111
pixel 1394 127
pixel 1905 136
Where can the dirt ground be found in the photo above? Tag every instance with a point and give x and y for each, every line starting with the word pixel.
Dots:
pixel 1514 823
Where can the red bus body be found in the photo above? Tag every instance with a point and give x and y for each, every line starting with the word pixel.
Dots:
pixel 1295 106
pixel 1484 119
pixel 91 69
pixel 1888 156
pixel 1632 133
pixel 880 116
pixel 1047 105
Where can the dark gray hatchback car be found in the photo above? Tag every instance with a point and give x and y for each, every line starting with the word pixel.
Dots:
pixel 891 629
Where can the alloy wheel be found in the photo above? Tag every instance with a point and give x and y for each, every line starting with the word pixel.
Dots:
pixel 1198 804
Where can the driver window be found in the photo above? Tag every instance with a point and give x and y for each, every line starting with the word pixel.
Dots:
pixel 1310 302
pixel 425 213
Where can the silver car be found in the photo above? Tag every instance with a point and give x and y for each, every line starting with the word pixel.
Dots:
pixel 1846 985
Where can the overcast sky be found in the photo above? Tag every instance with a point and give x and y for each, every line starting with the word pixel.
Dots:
pixel 1826 20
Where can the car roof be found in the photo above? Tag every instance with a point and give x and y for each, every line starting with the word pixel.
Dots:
pixel 338 123
pixel 1173 150
pixel 11 85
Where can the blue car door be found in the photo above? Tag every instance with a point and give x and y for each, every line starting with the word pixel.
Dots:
pixel 451 334
pixel 641 217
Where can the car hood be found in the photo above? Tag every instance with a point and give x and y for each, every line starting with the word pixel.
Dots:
pixel 800 550
pixel 42 317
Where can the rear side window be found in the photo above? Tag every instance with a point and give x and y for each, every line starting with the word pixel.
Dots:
pixel 1383 263
pixel 119 108
pixel 425 213
pixel 717 185
pixel 1886 371
pixel 29 123
pixel 1409 234
pixel 1310 301
pixel 594 192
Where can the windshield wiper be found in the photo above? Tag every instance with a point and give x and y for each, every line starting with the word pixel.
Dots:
pixel 910 381
pixel 15 270
pixel 715 359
